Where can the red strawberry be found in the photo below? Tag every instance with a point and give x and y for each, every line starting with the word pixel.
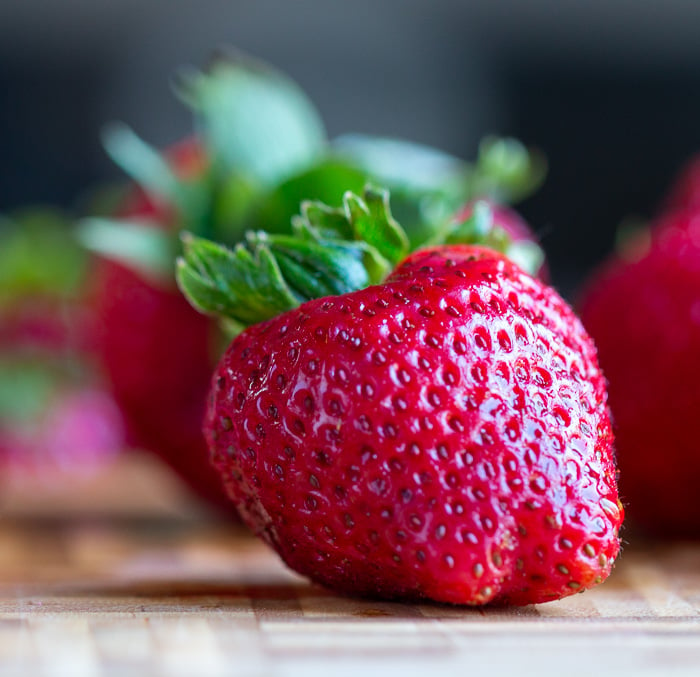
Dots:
pixel 441 435
pixel 158 353
pixel 643 311
pixel 242 168
pixel 146 332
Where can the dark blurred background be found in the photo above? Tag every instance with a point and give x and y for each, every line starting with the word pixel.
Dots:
pixel 610 90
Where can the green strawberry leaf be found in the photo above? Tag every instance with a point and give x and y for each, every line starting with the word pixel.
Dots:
pixel 326 181
pixel 234 199
pixel 39 255
pixel 253 119
pixel 315 267
pixel 156 175
pixel 370 219
pixel 428 186
pixel 480 228
pixel 506 171
pixel 331 251
pixel 140 245
pixel 395 162
pixel 243 285
pixel 143 163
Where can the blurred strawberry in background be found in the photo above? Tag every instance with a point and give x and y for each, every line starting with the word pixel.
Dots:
pixel 56 420
pixel 259 148
pixel 642 307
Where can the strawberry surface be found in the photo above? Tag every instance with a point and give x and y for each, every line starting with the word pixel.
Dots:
pixel 644 314
pixel 442 435
pixel 158 355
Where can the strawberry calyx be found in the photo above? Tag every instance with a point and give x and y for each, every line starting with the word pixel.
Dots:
pixel 252 119
pixel 331 251
pixel 481 227
pixel 428 185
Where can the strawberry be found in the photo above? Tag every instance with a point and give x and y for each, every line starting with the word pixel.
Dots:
pixel 260 149
pixel 642 309
pixel 143 322
pixel 441 433
pixel 55 418
pixel 157 355
pixel 76 434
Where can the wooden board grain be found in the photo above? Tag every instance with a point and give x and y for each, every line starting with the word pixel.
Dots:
pixel 127 576
pixel 166 596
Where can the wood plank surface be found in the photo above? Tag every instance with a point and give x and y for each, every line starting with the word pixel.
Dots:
pixel 168 592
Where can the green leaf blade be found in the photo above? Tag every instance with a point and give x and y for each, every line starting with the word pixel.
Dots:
pixel 141 162
pixel 506 170
pixel 243 286
pixel 254 120
pixel 140 245
pixel 372 222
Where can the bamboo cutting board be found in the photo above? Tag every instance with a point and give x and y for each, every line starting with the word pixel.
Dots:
pixel 162 594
